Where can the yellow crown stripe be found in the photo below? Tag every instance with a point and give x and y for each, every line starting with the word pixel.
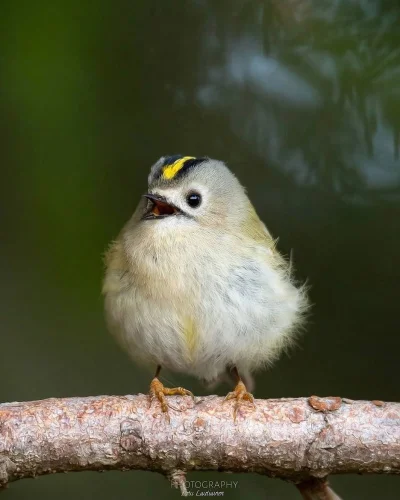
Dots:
pixel 170 171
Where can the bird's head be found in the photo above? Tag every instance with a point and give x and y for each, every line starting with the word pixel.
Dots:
pixel 186 190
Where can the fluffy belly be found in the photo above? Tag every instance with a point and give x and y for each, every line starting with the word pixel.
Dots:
pixel 242 320
pixel 163 334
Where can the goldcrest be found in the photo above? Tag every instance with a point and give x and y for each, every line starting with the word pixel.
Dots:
pixel 194 282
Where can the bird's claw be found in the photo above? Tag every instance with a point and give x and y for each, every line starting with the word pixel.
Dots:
pixel 240 394
pixel 159 392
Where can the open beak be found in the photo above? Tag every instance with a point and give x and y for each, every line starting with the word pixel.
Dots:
pixel 159 207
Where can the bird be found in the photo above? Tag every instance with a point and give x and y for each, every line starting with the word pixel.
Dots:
pixel 194 282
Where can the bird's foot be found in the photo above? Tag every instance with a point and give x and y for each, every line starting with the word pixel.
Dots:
pixel 241 395
pixel 158 391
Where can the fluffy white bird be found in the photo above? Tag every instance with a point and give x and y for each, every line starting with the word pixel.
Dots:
pixel 194 282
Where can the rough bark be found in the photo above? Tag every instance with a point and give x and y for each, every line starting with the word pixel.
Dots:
pixel 293 439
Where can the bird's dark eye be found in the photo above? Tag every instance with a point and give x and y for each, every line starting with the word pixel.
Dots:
pixel 193 199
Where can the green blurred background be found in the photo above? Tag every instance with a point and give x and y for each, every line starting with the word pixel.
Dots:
pixel 301 98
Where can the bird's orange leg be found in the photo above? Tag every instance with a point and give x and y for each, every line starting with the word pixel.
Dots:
pixel 158 391
pixel 239 393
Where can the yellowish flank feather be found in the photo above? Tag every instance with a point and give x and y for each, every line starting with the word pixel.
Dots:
pixel 191 336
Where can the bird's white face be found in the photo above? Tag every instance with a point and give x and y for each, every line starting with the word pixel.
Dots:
pixel 184 203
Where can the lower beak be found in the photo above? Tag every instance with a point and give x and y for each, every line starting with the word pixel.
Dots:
pixel 159 207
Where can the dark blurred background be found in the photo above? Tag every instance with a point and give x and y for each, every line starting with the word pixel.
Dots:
pixel 299 97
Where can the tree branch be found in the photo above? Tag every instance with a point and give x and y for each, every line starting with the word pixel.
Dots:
pixel 299 440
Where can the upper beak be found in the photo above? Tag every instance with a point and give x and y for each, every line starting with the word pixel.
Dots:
pixel 160 207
